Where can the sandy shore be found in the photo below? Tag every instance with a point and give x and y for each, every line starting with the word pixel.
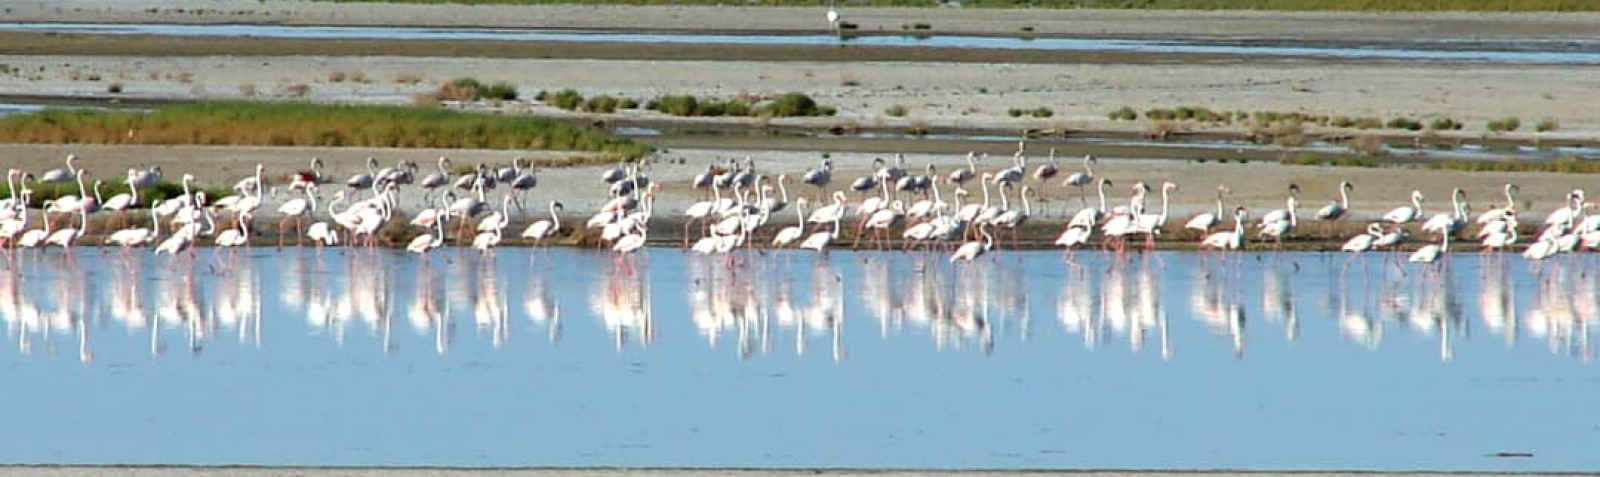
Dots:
pixel 934 94
pixel 1332 26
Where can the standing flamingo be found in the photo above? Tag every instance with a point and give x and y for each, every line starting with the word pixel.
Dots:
pixel 540 230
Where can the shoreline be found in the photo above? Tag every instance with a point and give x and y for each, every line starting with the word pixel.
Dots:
pixel 1056 22
pixel 275 471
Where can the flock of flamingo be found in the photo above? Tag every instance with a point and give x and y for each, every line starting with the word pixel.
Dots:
pixel 738 203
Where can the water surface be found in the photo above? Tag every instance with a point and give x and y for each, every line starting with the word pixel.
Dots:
pixel 1574 51
pixel 1023 361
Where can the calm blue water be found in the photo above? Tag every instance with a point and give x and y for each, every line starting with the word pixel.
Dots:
pixel 856 360
pixel 1577 51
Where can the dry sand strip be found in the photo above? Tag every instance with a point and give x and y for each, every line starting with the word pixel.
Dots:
pixel 137 471
pixel 1322 26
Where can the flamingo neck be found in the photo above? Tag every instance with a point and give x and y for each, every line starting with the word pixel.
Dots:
pixel 1344 197
pixel 555 220
pixel 1102 190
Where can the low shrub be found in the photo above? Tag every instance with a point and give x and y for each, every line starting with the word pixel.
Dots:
pixel 1123 114
pixel 1506 124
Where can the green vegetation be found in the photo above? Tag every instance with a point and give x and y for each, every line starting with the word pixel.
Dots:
pixel 1565 165
pixel 300 124
pixel 1506 124
pixel 1444 124
pixel 1123 114
pixel 608 104
pixel 1293 5
pixel 162 191
pixel 116 88
pixel 895 111
pixel 1547 125
pixel 470 89
pixel 1039 112
pixel 1404 123
pixel 783 106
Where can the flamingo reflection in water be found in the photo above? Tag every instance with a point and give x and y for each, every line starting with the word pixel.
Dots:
pixel 236 302
pixel 969 311
pixel 1218 305
pixel 1277 300
pixel 427 313
pixel 1561 316
pixel 622 301
pixel 1496 300
pixel 1436 310
pixel 541 308
pixel 1134 312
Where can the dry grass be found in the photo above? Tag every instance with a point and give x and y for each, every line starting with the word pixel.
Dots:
pixel 299 124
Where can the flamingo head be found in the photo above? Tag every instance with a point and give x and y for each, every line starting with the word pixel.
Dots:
pixel 1294 189
pixel 1169 186
pixel 1416 195
pixel 1346 185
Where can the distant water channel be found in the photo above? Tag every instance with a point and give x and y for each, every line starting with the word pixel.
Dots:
pixel 1530 51
pixel 874 360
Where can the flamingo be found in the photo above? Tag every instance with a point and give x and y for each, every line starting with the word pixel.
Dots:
pixel 364 181
pixel 1451 223
pixel 1013 219
pixel 523 183
pixel 1081 179
pixel 65 237
pixel 181 240
pixel 1088 217
pixel 961 176
pixel 972 250
pixel 235 236
pixel 296 209
pixel 147 177
pixel 540 230
pixel 1047 171
pixel 819 177
pixel 134 237
pixel 301 180
pixel 33 238
pixel 1280 228
pixel 819 241
pixel 1231 239
pixel 1431 253
pixel 833 18
pixel 251 184
pixel 72 204
pixel 121 202
pixel 1362 242
pixel 61 176
pixel 322 234
pixel 1406 213
pixel 1203 223
pixel 1335 210
pixel 426 242
pixel 1151 224
pixel 792 232
pixel 829 213
pixel 499 219
pixel 434 181
pixel 1499 213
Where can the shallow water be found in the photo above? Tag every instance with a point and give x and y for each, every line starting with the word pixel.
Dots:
pixel 1575 51
pixel 569 358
